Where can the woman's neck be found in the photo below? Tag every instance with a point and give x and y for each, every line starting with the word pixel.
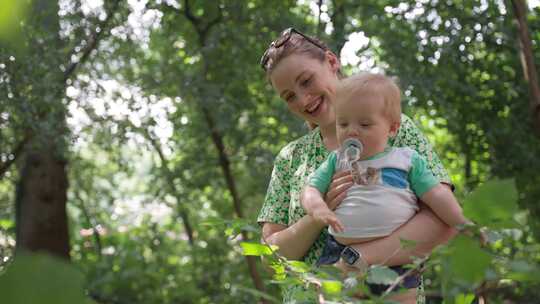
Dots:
pixel 329 136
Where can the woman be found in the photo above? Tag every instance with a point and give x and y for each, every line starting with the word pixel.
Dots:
pixel 304 72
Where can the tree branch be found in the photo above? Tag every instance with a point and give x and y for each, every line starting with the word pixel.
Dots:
pixel 201 29
pixel 92 41
pixel 86 214
pixel 168 175
pixel 189 15
pixel 4 166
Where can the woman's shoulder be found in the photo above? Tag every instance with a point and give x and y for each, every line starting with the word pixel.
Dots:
pixel 407 122
pixel 408 133
pixel 300 146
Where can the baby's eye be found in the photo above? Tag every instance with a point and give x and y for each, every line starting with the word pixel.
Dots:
pixel 343 124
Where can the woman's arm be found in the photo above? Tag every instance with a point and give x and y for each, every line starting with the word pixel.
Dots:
pixel 425 229
pixel 293 241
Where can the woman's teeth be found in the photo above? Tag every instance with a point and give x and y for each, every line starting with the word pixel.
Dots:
pixel 314 107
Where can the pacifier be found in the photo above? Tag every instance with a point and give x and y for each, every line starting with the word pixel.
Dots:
pixel 353 148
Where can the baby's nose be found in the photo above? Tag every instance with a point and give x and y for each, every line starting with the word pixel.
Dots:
pixel 352 131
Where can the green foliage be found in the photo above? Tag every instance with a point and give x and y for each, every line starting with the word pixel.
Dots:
pixel 38 278
pixel 12 17
pixel 466 265
pixel 466 261
pixel 256 249
pixel 331 287
pixel 381 275
pixel 493 204
pixel 464 298
pixel 457 64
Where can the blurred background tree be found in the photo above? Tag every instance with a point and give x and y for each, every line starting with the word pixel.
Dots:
pixel 153 125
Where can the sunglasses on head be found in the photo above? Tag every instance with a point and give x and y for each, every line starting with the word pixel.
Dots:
pixel 283 38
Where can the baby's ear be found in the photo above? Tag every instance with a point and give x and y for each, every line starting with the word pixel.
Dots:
pixel 394 128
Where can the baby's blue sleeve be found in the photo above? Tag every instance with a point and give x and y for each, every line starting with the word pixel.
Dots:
pixel 421 177
pixel 322 177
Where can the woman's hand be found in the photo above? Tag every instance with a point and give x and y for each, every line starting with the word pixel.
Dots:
pixel 341 182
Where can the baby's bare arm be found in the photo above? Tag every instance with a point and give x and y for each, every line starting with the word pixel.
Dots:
pixel 314 204
pixel 312 200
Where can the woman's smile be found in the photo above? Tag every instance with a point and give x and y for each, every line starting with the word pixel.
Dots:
pixel 314 107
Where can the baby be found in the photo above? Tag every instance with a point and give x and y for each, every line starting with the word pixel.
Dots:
pixel 387 180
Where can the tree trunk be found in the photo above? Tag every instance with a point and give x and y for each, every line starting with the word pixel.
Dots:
pixel 527 56
pixel 41 217
pixel 41 196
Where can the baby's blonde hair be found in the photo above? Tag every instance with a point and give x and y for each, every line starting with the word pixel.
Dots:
pixel 379 84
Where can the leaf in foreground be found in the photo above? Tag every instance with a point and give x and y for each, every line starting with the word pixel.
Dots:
pixel 38 278
pixel 257 249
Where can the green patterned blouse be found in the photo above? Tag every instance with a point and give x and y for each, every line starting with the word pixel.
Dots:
pixel 298 159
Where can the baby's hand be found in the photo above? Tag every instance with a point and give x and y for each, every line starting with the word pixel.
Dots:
pixel 328 218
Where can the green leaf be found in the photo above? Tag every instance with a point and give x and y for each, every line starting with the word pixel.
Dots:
pixel 464 298
pixel 6 224
pixel 468 261
pixel 299 266
pixel 258 293
pixel 279 271
pixel 521 266
pixel 522 271
pixel 229 231
pixel 493 204
pixel 329 271
pixel 381 275
pixel 37 278
pixel 331 287
pixel 257 249
pixel 11 14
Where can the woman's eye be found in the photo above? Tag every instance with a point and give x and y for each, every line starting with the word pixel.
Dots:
pixel 290 98
pixel 306 81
